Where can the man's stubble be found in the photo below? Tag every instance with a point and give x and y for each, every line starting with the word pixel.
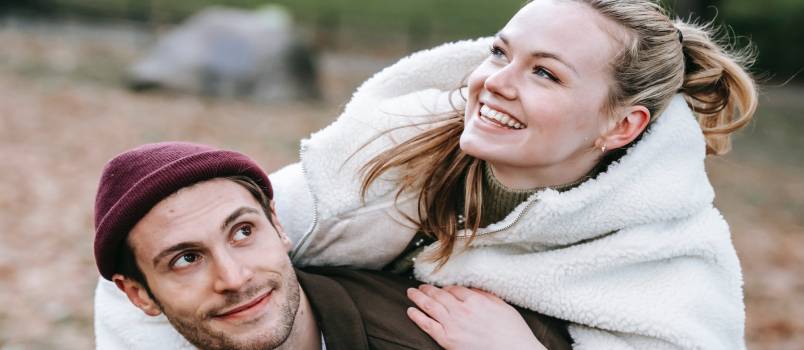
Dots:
pixel 199 334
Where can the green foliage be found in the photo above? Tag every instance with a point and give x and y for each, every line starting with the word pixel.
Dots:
pixel 774 26
pixel 764 8
pixel 454 18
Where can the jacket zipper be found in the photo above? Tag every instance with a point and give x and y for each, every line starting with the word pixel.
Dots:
pixel 518 217
pixel 305 240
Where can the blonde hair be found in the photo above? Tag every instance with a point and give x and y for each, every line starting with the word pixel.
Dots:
pixel 659 58
pixel 662 57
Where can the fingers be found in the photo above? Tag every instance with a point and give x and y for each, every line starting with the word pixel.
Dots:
pixel 434 329
pixel 451 296
pixel 488 295
pixel 440 295
pixel 460 292
pixel 434 312
pixel 463 294
pixel 428 304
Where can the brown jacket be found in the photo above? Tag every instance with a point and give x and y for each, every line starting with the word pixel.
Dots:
pixel 358 309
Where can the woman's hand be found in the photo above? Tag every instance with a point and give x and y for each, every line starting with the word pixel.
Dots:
pixel 461 318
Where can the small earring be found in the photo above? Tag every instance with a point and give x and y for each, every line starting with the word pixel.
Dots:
pixel 603 148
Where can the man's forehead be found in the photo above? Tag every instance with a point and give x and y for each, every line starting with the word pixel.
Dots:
pixel 191 214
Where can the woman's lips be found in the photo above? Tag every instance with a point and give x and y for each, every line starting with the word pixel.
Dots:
pixel 247 309
pixel 493 122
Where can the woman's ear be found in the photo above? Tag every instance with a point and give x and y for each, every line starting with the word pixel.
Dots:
pixel 633 122
pixel 137 294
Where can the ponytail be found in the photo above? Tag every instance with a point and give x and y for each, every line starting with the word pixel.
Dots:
pixel 718 88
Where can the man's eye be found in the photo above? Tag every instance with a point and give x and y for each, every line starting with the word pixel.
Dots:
pixel 242 233
pixel 185 260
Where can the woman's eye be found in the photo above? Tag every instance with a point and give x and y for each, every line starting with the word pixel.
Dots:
pixel 544 73
pixel 185 260
pixel 496 51
pixel 242 233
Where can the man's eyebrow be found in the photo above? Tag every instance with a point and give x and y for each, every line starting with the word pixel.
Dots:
pixel 197 245
pixel 543 54
pixel 175 248
pixel 236 214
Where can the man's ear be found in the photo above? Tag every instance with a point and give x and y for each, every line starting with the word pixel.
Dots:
pixel 279 229
pixel 137 294
pixel 627 128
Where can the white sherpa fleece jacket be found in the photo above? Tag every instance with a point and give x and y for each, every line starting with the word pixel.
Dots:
pixel 636 258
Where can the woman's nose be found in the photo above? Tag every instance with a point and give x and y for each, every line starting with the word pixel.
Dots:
pixel 501 83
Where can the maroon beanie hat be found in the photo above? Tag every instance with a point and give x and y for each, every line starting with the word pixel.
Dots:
pixel 134 181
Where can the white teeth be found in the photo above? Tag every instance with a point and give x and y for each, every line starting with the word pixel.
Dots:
pixel 501 117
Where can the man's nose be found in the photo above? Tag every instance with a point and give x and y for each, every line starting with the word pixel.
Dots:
pixel 501 83
pixel 231 274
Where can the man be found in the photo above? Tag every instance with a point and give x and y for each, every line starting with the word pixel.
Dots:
pixel 190 232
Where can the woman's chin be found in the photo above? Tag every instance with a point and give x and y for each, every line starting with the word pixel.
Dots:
pixel 478 147
pixel 469 144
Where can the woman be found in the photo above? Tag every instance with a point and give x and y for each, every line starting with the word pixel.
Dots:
pixel 570 181
pixel 545 188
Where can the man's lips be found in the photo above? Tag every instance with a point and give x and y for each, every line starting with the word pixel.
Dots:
pixel 237 311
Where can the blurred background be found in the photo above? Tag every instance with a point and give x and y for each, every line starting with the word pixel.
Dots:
pixel 82 80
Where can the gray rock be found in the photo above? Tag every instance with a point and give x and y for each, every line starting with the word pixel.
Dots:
pixel 230 52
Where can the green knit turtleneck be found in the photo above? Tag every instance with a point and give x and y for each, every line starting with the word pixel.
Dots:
pixel 499 200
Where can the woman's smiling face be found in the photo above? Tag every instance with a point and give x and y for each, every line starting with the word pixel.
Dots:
pixel 535 107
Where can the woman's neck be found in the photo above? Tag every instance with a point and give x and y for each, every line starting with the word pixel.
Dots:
pixel 515 177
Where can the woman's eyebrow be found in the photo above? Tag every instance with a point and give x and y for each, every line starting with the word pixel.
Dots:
pixel 543 54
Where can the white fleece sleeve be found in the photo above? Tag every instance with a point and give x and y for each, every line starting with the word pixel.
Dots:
pixel 586 338
pixel 121 325
pixel 294 202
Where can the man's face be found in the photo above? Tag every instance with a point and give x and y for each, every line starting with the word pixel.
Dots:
pixel 216 268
